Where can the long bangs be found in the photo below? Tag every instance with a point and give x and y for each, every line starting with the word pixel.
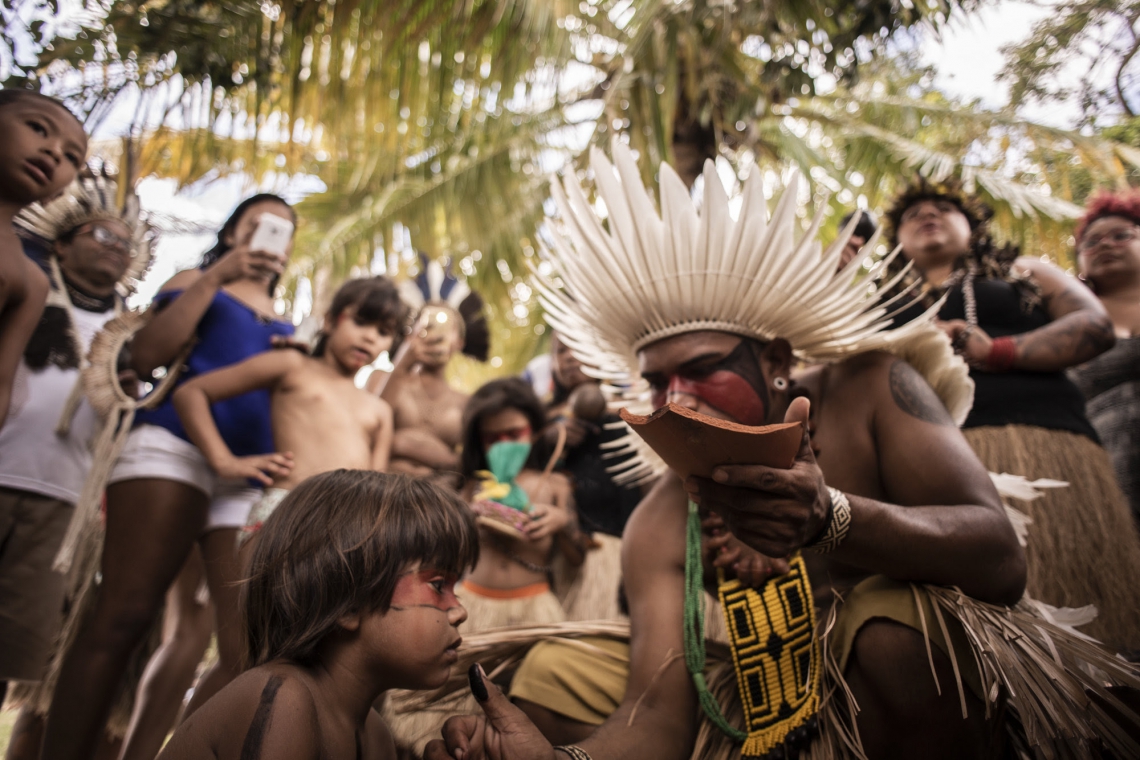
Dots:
pixel 420 523
pixel 337 546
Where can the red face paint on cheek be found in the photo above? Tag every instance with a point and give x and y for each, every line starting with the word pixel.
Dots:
pixel 725 391
pixel 426 588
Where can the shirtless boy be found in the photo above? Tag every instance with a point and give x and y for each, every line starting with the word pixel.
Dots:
pixel 44 147
pixel 428 412
pixel 350 593
pixel 321 420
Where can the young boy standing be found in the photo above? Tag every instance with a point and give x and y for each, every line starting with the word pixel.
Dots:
pixel 321 420
pixel 351 592
pixel 44 147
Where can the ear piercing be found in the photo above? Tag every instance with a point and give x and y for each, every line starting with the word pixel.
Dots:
pixel 780 384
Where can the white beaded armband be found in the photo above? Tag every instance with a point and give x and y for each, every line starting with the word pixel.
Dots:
pixel 837 526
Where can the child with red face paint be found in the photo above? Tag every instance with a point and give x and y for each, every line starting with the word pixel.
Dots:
pixel 321 420
pixel 524 511
pixel 350 592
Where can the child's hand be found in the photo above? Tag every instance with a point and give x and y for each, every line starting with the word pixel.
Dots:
pixel 751 567
pixel 242 263
pixel 546 520
pixel 264 468
pixel 504 733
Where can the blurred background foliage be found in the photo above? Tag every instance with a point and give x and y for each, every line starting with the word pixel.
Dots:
pixel 434 126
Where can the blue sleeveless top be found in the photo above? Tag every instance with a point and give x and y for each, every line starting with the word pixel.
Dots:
pixel 229 332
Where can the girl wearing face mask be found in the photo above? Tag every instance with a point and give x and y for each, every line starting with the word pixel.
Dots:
pixel 1020 323
pixel 1108 254
pixel 522 508
pixel 525 515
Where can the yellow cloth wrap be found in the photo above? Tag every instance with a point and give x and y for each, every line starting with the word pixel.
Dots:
pixel 490 488
pixel 771 632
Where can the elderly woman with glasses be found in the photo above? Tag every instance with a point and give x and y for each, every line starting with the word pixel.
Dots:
pixel 1108 255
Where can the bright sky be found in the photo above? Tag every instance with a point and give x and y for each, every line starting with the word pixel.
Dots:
pixel 967 60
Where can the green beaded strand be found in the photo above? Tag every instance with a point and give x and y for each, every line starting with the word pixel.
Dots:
pixel 694 627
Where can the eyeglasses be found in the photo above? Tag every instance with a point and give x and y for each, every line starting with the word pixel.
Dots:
pixel 1116 237
pixel 105 237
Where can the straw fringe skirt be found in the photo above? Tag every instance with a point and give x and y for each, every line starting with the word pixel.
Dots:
pixel 590 592
pixel 1083 544
pixel 487 609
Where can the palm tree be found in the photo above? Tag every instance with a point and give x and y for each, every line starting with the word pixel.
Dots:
pixel 436 123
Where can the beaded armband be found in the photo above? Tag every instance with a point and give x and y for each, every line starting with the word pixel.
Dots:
pixel 575 753
pixel 838 523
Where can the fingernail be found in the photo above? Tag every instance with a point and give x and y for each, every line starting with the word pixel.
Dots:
pixel 478 688
pixel 720 476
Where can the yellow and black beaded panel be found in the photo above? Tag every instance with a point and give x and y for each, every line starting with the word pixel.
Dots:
pixel 777 658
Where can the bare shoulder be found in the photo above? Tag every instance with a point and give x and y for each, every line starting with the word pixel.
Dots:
pixel 1037 268
pixel 267 712
pixel 654 537
pixel 21 280
pixel 889 385
pixel 181 281
pixel 35 279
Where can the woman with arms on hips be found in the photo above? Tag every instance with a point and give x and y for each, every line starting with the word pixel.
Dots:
pixel 163 497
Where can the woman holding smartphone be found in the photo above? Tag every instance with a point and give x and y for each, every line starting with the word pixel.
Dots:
pixel 163 497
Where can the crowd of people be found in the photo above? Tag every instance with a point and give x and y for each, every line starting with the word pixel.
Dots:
pixel 197 473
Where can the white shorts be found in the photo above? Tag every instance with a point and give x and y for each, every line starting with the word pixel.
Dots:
pixel 154 452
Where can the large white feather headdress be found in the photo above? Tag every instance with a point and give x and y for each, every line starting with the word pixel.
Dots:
pixel 651 276
pixel 90 199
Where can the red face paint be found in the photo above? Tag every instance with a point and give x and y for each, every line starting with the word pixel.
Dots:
pixel 511 434
pixel 426 588
pixel 723 390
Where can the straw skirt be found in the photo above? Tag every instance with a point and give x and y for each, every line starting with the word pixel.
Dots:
pixel 1083 544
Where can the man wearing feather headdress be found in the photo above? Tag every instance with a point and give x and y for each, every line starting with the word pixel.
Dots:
pixel 885 507
pixel 97 251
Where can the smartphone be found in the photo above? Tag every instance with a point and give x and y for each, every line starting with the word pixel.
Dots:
pixel 272 235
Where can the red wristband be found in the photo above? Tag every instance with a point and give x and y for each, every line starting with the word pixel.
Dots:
pixel 1003 351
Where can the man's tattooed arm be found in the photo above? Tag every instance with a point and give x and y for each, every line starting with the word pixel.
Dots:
pixel 914 396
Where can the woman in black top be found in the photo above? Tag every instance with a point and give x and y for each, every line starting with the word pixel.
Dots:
pixel 1108 252
pixel 1020 323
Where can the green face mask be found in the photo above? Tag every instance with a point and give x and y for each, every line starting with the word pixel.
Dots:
pixel 505 461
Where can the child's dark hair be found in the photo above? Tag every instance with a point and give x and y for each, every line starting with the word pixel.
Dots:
pixel 221 247
pixel 337 545
pixel 494 397
pixel 11 96
pixel 377 302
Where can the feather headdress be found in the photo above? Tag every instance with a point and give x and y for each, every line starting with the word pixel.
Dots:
pixel 653 275
pixel 90 199
pixel 435 284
